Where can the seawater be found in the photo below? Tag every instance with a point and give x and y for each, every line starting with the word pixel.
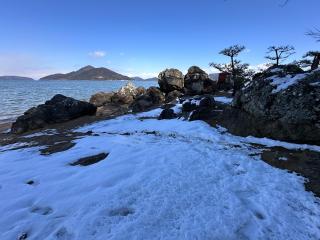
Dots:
pixel 17 96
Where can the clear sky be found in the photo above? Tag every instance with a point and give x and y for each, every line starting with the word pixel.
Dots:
pixel 143 37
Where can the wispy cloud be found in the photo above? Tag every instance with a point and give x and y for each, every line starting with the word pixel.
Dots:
pixel 97 54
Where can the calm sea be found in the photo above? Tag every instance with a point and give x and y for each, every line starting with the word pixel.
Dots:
pixel 17 96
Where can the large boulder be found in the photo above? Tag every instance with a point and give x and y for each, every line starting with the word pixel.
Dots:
pixel 101 98
pixel 127 93
pixel 197 81
pixel 288 105
pixel 170 80
pixel 167 114
pixel 59 109
pixel 153 97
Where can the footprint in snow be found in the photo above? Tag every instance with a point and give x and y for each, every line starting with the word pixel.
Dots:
pixel 41 210
pixel 123 212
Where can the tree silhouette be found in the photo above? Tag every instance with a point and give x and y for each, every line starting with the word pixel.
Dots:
pixel 280 53
pixel 238 71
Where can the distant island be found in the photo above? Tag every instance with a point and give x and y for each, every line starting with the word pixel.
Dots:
pixel 88 73
pixel 15 78
pixel 144 79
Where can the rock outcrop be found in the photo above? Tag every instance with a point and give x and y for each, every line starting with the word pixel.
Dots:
pixel 170 80
pixel 116 103
pixel 153 97
pixel 287 105
pixel 101 98
pixel 59 109
pixel 197 81
pixel 126 94
pixel 199 107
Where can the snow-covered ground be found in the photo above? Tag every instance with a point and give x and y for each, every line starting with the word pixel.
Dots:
pixel 168 179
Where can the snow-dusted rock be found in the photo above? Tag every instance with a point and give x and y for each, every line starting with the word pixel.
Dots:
pixel 291 102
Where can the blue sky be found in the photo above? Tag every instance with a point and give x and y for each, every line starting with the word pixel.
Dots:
pixel 40 37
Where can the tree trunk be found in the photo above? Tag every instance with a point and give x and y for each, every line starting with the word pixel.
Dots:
pixel 315 62
pixel 233 77
pixel 277 56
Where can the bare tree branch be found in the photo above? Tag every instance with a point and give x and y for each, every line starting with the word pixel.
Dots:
pixel 280 53
pixel 314 33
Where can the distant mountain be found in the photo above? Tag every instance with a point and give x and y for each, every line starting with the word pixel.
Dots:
pixel 152 79
pixel 88 73
pixel 137 78
pixel 14 78
pixel 144 79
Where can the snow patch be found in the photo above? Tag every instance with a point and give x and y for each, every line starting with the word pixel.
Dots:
pixel 168 179
pixel 282 83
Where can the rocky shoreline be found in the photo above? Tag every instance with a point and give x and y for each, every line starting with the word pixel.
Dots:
pixel 195 94
pixel 281 103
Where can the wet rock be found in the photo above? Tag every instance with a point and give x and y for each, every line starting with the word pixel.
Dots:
pixel 57 110
pixel 153 97
pixel 101 98
pixel 197 81
pixel 167 114
pixel 170 80
pixel 90 160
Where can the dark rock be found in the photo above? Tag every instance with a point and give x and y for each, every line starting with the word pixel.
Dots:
pixel 59 109
pixel 290 114
pixel 23 236
pixel 201 113
pixel 172 96
pixel 188 106
pixel 170 80
pixel 207 102
pixel 58 147
pixel 167 114
pixel 153 97
pixel 30 182
pixel 197 81
pixel 90 160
